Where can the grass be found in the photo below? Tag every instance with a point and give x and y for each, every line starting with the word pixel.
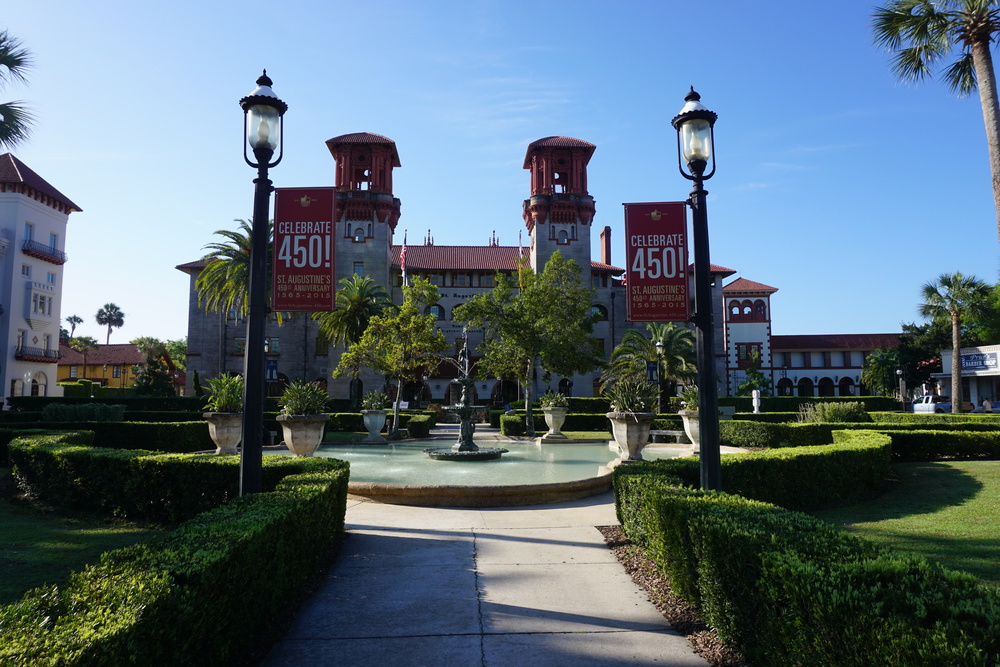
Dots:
pixel 40 546
pixel 944 511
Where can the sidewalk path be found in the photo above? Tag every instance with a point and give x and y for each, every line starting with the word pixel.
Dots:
pixel 479 587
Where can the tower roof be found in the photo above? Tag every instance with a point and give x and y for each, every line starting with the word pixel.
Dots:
pixel 558 142
pixel 15 172
pixel 368 138
pixel 741 285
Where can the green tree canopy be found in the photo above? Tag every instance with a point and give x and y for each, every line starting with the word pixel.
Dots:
pixel 359 299
pixel 676 355
pixel 16 120
pixel 400 342
pixel 958 35
pixel 879 371
pixel 544 320
pixel 110 316
pixel 755 378
pixel 953 296
pixel 83 345
pixel 73 321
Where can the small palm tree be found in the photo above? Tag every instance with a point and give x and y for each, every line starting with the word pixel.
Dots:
pixel 672 346
pixel 15 119
pixel 358 300
pixel 223 285
pixel 110 316
pixel 73 321
pixel 952 296
pixel 923 33
pixel 83 345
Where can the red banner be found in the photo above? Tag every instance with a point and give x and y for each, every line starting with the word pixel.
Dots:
pixel 657 260
pixel 303 267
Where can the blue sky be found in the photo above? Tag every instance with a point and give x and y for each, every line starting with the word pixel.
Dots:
pixel 836 184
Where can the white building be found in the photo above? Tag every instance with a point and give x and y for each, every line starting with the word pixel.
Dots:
pixel 33 218
pixel 980 373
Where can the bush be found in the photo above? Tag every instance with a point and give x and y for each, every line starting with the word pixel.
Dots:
pixel 792 403
pixel 512 426
pixel 419 426
pixel 841 413
pixel 86 412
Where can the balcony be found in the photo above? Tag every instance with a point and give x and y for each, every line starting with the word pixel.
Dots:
pixel 23 353
pixel 43 252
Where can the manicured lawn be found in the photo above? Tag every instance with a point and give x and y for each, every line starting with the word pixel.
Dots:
pixel 945 511
pixel 39 546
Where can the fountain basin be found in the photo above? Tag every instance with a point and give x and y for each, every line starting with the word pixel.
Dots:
pixel 478 454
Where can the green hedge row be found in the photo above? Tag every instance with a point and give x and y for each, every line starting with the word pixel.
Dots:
pixel 785 588
pixel 202 594
pixel 979 419
pixel 66 469
pixel 419 426
pixel 792 403
pixel 797 478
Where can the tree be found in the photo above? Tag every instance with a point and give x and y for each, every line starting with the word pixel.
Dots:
pixel 359 299
pixel 224 284
pixel 755 379
pixel 149 346
pixel 110 315
pixel 952 296
pixel 546 321
pixel 923 33
pixel 83 345
pixel 153 379
pixel 177 349
pixel 401 342
pixel 879 371
pixel 677 360
pixel 73 321
pixel 16 120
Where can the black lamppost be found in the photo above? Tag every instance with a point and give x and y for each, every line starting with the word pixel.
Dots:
pixel 263 115
pixel 695 148
pixel 659 376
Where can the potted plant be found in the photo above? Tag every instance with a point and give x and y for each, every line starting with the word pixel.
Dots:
pixel 302 418
pixel 225 416
pixel 633 399
pixel 689 415
pixel 554 407
pixel 373 413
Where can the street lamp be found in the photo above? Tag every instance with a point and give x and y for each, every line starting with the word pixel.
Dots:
pixel 263 121
pixel 696 162
pixel 659 376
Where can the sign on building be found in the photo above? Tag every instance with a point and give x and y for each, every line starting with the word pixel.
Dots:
pixel 656 257
pixel 303 264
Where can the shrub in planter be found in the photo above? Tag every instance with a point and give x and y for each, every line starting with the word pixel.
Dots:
pixel 511 425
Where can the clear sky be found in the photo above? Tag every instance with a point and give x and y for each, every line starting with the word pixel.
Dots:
pixel 836 184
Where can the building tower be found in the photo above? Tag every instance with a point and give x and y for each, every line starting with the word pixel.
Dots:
pixel 365 211
pixel 748 329
pixel 560 211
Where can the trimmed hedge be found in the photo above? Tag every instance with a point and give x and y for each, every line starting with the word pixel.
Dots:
pixel 419 426
pixel 195 596
pixel 792 403
pixel 65 469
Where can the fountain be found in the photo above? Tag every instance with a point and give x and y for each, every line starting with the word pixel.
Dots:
pixel 465 449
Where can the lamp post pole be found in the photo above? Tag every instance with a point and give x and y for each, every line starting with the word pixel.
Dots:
pixel 659 376
pixel 696 144
pixel 263 113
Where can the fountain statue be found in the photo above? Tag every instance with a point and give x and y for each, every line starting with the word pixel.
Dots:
pixel 465 449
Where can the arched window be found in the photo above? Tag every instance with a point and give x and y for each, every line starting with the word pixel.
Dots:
pixel 359 235
pixel 734 311
pixel 562 238
pixel 436 310
pixel 600 312
pixel 566 387
pixel 759 311
pixel 785 387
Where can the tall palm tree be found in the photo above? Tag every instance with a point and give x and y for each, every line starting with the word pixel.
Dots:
pixel 358 300
pixel 73 321
pixel 111 316
pixel 15 119
pixel 83 345
pixel 676 355
pixel 952 296
pixel 922 33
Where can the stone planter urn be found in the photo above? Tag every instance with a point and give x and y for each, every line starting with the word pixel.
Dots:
pixel 554 419
pixel 374 421
pixel 691 428
pixel 303 433
pixel 225 429
pixel 631 431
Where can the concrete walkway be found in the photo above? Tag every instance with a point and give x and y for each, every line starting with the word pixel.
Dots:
pixel 491 587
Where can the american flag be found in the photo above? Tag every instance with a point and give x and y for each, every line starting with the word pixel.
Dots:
pixel 402 258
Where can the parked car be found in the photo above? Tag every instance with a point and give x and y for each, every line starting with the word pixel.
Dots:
pixel 934 403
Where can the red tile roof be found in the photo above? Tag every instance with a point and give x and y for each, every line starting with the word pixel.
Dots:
pixel 744 285
pixel 360 138
pixel 469 258
pixel 15 172
pixel 194 266
pixel 117 354
pixel 557 142
pixel 834 341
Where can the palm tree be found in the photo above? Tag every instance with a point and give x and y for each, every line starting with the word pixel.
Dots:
pixel 954 295
pixel 15 119
pixel 110 315
pixel 922 33
pixel 73 321
pixel 83 345
pixel 358 300
pixel 672 346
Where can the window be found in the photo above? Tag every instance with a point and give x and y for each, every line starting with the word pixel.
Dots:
pixel 233 315
pixel 745 353
pixel 437 311
pixel 50 278
pixel 41 304
pixel 26 270
pixel 116 371
pixel 53 241
pixel 29 231
pixel 322 346
pixel 600 313
pixel 239 345
pixel 359 268
pixel 486 280
pixel 272 345
pixel 461 280
pixel 562 238
pixel 359 235
pixel 436 278
pixel 74 371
